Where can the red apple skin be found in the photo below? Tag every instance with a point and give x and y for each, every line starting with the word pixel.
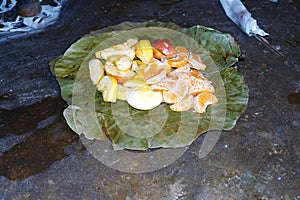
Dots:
pixel 164 46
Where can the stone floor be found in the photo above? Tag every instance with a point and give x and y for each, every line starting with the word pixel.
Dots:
pixel 41 158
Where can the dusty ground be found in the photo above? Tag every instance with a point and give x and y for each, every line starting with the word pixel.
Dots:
pixel 41 158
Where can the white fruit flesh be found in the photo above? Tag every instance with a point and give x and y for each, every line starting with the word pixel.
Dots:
pixel 143 100
pixel 108 86
pixel 96 70
pixel 120 49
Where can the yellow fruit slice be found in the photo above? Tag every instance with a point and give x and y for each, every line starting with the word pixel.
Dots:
pixel 96 70
pixel 122 62
pixel 136 84
pixel 144 51
pixel 121 92
pixel 120 49
pixel 109 88
pixel 111 69
pixel 135 67
pixel 143 100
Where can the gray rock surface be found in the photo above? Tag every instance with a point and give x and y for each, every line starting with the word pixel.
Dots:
pixel 41 158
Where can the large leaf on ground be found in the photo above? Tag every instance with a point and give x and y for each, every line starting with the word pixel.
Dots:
pixel 129 128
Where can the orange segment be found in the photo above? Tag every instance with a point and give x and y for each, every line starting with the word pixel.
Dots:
pixel 181 49
pixel 155 67
pixel 198 85
pixel 178 60
pixel 169 97
pixel 180 88
pixel 196 62
pixel 185 104
pixel 197 74
pixel 202 100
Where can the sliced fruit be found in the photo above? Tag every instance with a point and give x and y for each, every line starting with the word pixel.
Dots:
pixel 136 84
pixel 157 78
pixel 120 49
pixel 121 92
pixel 131 42
pixel 180 88
pixel 157 54
pixel 169 97
pixel 96 70
pixel 108 86
pixel 135 67
pixel 111 69
pixel 178 59
pixel 202 100
pixel 164 46
pixel 196 62
pixel 143 100
pixel 181 49
pixel 154 68
pixel 143 50
pixel 185 104
pixel 141 64
pixel 198 85
pixel 122 62
pixel 197 74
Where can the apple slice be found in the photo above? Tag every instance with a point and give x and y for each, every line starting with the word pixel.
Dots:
pixel 144 51
pixel 121 92
pixel 136 84
pixel 96 70
pixel 143 99
pixel 164 46
pixel 112 70
pixel 109 88
pixel 120 49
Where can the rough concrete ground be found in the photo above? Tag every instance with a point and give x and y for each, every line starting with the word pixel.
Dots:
pixel 41 158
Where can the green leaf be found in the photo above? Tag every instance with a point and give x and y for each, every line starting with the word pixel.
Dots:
pixel 129 128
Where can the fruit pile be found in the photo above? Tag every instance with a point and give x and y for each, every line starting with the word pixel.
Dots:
pixel 145 75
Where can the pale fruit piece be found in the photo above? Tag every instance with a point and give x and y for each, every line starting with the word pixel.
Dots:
pixel 122 62
pixel 196 62
pixel 181 49
pixel 143 100
pixel 141 64
pixel 96 70
pixel 202 100
pixel 120 49
pixel 157 78
pixel 135 67
pixel 111 69
pixel 185 104
pixel 178 60
pixel 144 51
pixel 136 84
pixel 109 88
pixel 180 88
pixel 121 92
pixel 131 42
pixel 198 85
pixel 169 97
pixel 153 68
